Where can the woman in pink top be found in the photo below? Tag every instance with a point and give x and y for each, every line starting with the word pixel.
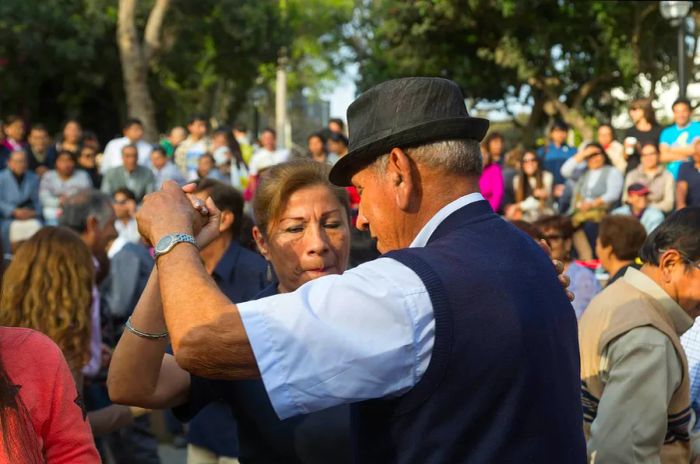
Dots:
pixel 41 415
pixel 491 181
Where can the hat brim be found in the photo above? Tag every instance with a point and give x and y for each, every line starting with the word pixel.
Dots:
pixel 441 129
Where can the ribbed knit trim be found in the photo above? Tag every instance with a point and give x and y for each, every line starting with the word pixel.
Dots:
pixel 444 331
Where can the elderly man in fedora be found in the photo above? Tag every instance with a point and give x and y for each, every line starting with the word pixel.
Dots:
pixel 457 345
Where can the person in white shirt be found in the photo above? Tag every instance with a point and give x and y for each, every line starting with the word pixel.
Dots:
pixel 268 154
pixel 195 145
pixel 133 133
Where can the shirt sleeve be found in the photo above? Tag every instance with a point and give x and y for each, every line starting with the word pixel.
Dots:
pixel 66 433
pixel 570 166
pixel 643 371
pixel 613 189
pixel 202 392
pixel 339 339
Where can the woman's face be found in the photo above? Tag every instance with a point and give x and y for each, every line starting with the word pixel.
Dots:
pixel 530 163
pixel 315 146
pixel 15 131
pixel 72 132
pixel 496 147
pixel 87 158
pixel 310 240
pixel 561 246
pixel 596 160
pixel 649 157
pixel 65 165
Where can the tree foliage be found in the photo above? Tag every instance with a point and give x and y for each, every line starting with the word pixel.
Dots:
pixel 562 58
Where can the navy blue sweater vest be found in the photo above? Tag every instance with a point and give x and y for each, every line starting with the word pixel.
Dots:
pixel 503 381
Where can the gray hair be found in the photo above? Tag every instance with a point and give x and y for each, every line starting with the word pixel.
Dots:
pixel 131 145
pixel 78 208
pixel 456 156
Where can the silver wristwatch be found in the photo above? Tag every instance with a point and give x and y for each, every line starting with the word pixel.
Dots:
pixel 168 242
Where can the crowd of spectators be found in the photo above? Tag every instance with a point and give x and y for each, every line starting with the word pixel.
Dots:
pixel 594 205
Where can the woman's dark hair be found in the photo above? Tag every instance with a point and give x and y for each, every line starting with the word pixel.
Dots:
pixel 338 138
pixel 318 135
pixel 227 198
pixel 680 231
pixel 490 138
pixel 159 149
pixel 645 104
pixel 644 144
pixel 232 144
pixel 561 224
pixel 524 189
pixel 602 150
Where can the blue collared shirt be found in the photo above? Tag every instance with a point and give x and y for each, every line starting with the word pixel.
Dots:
pixel 691 344
pixel 367 333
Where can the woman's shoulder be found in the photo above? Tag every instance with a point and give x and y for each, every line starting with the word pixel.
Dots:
pixel 26 341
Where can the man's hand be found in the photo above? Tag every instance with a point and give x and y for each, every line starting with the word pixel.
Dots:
pixel 211 215
pixel 23 213
pixel 168 211
pixel 559 266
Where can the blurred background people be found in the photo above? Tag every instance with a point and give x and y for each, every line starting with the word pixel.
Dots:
pixel 688 188
pixel 19 195
pixel 638 207
pixel 60 183
pixel 533 190
pixel 133 136
pixel 129 174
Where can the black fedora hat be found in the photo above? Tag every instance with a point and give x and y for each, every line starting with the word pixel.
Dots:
pixel 402 113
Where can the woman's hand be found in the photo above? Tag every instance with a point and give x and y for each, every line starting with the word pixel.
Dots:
pixel 207 228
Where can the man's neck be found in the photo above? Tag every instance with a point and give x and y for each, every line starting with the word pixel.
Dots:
pixel 638 212
pixel 683 126
pixel 557 145
pixel 212 254
pixel 64 176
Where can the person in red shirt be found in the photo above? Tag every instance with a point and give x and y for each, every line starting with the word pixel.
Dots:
pixel 42 419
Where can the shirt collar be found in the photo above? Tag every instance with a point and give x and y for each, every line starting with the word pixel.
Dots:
pixel 680 319
pixel 227 263
pixel 424 235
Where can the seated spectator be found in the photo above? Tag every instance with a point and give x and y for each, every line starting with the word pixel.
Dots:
pixel 38 149
pixel 13 130
pixel 511 167
pixel 175 137
pixel 40 403
pixel 70 139
pixel 19 195
pixel 645 130
pixel 652 174
pixel 596 191
pixel 619 240
pixel 125 211
pixel 87 162
pixel 555 153
pixel 130 174
pixel 491 181
pixel 90 140
pixel 493 144
pixel 688 188
pixel 614 149
pixel 316 146
pixel 195 145
pixel 60 183
pixel 133 135
pixel 558 232
pixel 634 374
pixel 533 190
pixel 337 145
pixel 676 141
pixel 268 154
pixel 638 207
pixel 164 169
pixel 206 169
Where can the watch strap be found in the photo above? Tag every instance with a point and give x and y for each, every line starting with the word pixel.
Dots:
pixel 176 238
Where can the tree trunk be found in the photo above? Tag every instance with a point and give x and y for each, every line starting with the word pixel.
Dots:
pixel 533 121
pixel 135 59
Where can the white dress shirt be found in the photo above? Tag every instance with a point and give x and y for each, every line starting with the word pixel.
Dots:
pixel 367 333
pixel 113 153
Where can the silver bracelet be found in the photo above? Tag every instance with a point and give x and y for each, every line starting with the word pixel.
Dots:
pixel 149 336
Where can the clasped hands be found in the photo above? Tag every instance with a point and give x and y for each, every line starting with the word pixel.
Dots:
pixel 175 210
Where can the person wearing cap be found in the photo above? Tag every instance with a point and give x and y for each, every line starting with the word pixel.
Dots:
pixel 457 345
pixel 638 207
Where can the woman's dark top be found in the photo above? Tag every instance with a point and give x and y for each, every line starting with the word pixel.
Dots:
pixel 319 437
pixel 650 136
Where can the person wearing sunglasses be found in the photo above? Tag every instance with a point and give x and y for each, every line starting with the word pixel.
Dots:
pixel 533 190
pixel 598 187
pixel 635 378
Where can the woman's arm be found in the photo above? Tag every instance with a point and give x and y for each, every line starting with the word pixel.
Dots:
pixel 141 373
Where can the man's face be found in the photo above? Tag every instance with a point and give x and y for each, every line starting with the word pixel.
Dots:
pixel 17 163
pixel 558 136
pixel 377 212
pixel 87 158
pixel 130 158
pixel 268 141
pixel 15 131
pixel 197 129
pixel 39 140
pixel 124 208
pixel 65 165
pixel 681 114
pixel 158 159
pixel 134 132
pixel 638 202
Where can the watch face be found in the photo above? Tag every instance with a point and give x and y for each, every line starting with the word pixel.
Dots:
pixel 164 243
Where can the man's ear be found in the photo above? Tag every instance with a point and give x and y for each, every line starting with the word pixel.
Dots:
pixel 227 220
pixel 91 225
pixel 402 173
pixel 261 242
pixel 668 262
